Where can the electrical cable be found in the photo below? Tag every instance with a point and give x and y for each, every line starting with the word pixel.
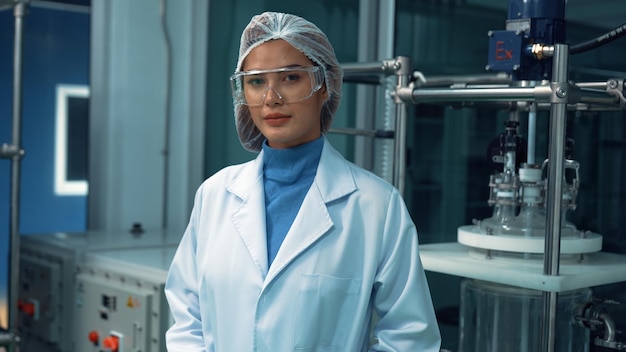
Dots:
pixel 599 41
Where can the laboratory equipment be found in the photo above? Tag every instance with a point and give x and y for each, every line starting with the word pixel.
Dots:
pixel 48 269
pixel 120 302
pixel 496 317
pixel 527 246
pixel 526 257
pixel 503 254
pixel 515 233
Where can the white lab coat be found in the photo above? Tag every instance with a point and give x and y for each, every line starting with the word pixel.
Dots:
pixel 352 247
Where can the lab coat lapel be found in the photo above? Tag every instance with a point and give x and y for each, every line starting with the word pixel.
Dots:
pixel 249 218
pixel 332 181
pixel 311 223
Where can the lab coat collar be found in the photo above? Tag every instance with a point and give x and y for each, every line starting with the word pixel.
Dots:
pixel 334 176
pixel 333 180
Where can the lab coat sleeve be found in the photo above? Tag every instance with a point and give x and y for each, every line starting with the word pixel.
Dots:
pixel 181 291
pixel 402 299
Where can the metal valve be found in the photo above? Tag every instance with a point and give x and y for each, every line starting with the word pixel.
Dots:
pixel 595 316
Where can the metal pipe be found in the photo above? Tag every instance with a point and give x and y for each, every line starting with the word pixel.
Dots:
pixel 558 119
pixel 361 68
pixel 362 132
pixel 607 102
pixel 399 173
pixel 357 68
pixel 366 90
pixel 532 128
pixel 581 107
pixel 592 85
pixel 441 81
pixel 371 80
pixel 16 154
pixel 415 96
pixel 595 96
pixel 403 75
pixel 383 160
pixel 540 94
pixel 609 326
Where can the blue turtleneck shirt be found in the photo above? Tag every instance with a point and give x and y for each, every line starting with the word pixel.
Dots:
pixel 287 176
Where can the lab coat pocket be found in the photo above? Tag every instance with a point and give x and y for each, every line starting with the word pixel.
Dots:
pixel 326 310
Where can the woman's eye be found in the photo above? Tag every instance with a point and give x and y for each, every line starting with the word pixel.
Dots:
pixel 255 81
pixel 292 77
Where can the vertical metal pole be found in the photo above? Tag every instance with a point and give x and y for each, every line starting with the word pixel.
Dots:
pixel 384 150
pixel 558 120
pixel 376 43
pixel 15 152
pixel 365 115
pixel 399 174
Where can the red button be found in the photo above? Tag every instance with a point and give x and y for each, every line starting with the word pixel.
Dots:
pixel 112 343
pixel 94 337
pixel 28 308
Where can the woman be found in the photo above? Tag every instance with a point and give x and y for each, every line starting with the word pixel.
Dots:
pixel 296 250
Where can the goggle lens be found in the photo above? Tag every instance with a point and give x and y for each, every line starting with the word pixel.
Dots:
pixel 291 85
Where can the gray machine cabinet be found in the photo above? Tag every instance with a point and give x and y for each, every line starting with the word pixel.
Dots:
pixel 49 264
pixel 121 293
pixel 40 303
pixel 108 308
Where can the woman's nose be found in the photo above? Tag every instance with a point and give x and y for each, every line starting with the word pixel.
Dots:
pixel 272 97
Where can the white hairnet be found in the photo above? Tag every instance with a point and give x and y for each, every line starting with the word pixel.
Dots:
pixel 307 38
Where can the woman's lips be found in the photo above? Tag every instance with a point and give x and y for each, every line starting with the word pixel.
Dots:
pixel 276 119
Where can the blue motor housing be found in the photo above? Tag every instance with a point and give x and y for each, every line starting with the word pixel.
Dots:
pixel 529 22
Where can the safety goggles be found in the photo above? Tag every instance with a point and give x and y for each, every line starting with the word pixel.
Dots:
pixel 290 84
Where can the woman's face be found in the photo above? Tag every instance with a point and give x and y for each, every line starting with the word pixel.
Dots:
pixel 284 124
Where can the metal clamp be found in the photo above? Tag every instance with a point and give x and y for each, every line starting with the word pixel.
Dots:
pixel 8 339
pixel 10 151
pixel 616 86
